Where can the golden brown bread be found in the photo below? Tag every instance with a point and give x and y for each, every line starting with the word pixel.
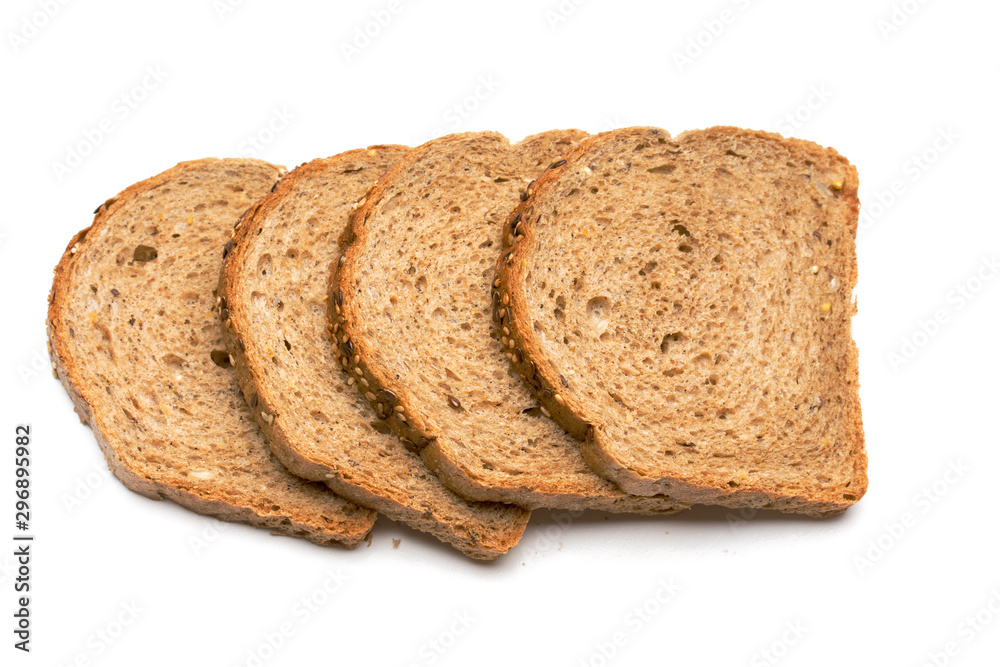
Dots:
pixel 683 306
pixel 134 339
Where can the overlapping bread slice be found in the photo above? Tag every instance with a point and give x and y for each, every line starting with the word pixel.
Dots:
pixel 685 306
pixel 410 311
pixel 135 340
pixel 274 290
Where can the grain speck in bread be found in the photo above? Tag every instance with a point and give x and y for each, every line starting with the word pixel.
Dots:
pixel 410 307
pixel 684 306
pixel 274 291
pixel 135 340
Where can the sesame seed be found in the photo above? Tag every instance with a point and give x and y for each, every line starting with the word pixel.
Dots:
pixel 559 399
pixel 546 412
pixel 506 331
pixel 496 283
pixel 359 371
pixel 364 381
pixel 506 299
pixel 370 396
pixel 398 408
pixel 350 382
pixel 815 269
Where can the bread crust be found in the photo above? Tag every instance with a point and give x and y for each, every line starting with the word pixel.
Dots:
pixel 459 523
pixel 84 396
pixel 538 369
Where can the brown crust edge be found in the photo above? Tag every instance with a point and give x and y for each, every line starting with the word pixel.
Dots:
pixel 510 309
pixel 67 373
pixel 260 398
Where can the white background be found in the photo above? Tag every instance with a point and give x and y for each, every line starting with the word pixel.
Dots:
pixel 893 581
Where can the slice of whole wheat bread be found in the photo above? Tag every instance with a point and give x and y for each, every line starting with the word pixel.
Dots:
pixel 684 306
pixel 134 339
pixel 274 291
pixel 410 313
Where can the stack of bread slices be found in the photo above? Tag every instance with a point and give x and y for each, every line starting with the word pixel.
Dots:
pixel 456 334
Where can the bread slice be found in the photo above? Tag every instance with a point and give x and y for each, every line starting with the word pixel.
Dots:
pixel 134 338
pixel 411 315
pixel 274 290
pixel 684 305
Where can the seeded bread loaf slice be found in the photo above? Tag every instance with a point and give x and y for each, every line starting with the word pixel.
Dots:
pixel 411 316
pixel 134 339
pixel 684 306
pixel 274 292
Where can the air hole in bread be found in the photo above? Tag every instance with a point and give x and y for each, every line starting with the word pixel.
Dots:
pixel 264 265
